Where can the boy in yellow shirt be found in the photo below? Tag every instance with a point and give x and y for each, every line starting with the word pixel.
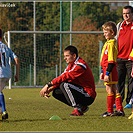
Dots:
pixel 109 71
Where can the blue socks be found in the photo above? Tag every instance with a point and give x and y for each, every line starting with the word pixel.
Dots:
pixel 2 102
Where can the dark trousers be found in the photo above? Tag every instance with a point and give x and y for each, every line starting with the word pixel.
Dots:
pixel 124 69
pixel 72 95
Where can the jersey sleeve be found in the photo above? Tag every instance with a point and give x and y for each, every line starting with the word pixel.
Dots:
pixel 69 76
pixel 12 54
pixel 112 52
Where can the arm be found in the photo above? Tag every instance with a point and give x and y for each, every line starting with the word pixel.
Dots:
pixel 108 71
pixel 131 58
pixel 101 75
pixel 46 90
pixel 112 56
pixel 69 75
pixel 16 76
pixel 132 70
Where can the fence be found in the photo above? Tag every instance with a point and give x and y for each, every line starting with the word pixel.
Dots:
pixel 39 31
pixel 38 62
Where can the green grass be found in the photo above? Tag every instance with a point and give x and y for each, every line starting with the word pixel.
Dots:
pixel 30 112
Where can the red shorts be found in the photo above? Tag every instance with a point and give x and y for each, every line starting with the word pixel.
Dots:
pixel 113 76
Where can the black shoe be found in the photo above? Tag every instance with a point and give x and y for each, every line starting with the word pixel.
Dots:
pixel 119 113
pixel 107 114
pixel 84 109
pixel 4 115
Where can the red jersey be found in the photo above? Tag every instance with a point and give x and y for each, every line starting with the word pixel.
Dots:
pixel 78 73
pixel 125 40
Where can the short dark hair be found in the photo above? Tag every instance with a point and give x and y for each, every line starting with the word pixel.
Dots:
pixel 129 7
pixel 72 49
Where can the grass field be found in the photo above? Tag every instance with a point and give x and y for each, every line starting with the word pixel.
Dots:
pixel 30 112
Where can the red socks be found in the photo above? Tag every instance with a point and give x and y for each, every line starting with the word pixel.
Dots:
pixel 110 102
pixel 118 102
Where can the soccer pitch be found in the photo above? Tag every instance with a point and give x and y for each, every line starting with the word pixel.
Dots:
pixel 30 112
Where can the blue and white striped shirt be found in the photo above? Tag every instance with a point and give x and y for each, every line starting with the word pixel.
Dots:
pixel 5 54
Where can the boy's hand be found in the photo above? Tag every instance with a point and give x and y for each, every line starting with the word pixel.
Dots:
pixel 106 78
pixel 101 76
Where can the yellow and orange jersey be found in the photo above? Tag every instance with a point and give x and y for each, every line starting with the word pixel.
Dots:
pixel 109 53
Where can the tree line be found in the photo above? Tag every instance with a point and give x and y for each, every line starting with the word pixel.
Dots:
pixel 86 16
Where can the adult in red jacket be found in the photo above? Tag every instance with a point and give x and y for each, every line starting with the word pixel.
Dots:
pixel 125 46
pixel 75 86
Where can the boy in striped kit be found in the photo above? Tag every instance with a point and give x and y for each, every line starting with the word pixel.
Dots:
pixel 5 72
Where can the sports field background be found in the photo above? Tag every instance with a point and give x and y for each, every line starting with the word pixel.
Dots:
pixel 30 112
pixel 41 53
pixel 27 110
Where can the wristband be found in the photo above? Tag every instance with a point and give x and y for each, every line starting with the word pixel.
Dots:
pixel 107 73
pixel 49 84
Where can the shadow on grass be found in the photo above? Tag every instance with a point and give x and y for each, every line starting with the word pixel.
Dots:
pixel 32 120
